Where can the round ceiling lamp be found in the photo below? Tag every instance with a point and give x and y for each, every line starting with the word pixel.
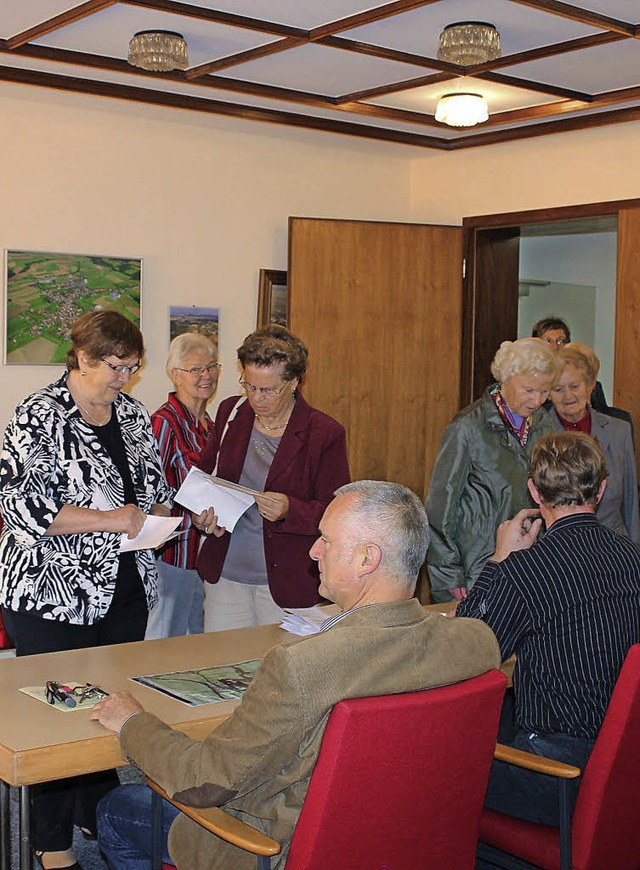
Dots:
pixel 468 43
pixel 158 51
pixel 462 110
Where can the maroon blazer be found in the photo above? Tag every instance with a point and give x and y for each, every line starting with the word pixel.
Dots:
pixel 309 465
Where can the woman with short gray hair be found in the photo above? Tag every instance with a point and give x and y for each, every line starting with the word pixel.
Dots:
pixel 181 427
pixel 481 471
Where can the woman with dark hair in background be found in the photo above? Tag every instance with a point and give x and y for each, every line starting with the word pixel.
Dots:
pixel 79 468
pixel 272 441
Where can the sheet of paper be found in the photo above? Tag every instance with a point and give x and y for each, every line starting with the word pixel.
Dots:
pixel 155 532
pixel 305 621
pixel 201 491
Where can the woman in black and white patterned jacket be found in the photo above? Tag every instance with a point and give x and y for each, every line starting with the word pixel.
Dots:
pixel 79 467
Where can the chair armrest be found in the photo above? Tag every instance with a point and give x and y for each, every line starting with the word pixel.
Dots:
pixel 224 825
pixel 539 763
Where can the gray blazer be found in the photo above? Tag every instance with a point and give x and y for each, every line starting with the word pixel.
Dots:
pixel 619 506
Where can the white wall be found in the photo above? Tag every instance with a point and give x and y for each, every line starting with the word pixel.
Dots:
pixel 585 260
pixel 562 169
pixel 204 201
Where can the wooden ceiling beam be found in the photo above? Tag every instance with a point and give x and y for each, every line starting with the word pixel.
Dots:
pixel 360 19
pixel 536 87
pixel 389 54
pixel 581 15
pixel 393 88
pixel 58 21
pixel 244 57
pixel 564 125
pixel 553 50
pixel 218 17
pixel 114 64
pixel 214 107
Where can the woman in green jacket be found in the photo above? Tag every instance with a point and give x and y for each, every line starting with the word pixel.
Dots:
pixel 480 475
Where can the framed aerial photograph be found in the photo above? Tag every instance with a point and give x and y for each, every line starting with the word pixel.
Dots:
pixel 273 298
pixel 47 292
pixel 193 318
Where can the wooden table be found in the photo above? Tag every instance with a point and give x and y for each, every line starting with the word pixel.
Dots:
pixel 39 743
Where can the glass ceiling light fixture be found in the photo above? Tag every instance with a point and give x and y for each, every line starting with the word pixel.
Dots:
pixel 158 51
pixel 468 43
pixel 462 110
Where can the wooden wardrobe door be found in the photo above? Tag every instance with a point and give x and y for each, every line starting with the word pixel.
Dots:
pixel 379 305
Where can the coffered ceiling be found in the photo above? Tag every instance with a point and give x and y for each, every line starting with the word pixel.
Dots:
pixel 341 65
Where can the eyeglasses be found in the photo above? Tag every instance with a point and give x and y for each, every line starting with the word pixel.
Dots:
pixel 122 369
pixel 198 371
pixel 71 696
pixel 269 392
pixel 559 342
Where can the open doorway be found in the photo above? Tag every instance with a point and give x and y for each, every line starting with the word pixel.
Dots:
pixel 568 269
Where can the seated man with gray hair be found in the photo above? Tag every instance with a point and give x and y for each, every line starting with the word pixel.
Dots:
pixel 568 604
pixel 373 540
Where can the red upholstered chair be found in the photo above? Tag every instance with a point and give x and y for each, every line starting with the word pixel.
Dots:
pixel 399 782
pixel 604 833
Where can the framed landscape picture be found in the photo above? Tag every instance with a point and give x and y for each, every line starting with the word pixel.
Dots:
pixel 194 318
pixel 46 293
pixel 273 302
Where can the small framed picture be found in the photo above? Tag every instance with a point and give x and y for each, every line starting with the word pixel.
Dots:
pixel 273 298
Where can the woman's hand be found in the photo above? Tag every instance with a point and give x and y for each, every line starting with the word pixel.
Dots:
pixel 128 519
pixel 272 506
pixel 207 522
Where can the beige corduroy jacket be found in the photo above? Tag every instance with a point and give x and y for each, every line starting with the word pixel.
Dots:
pixel 257 764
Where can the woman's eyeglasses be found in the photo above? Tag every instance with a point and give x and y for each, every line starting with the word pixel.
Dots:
pixel 122 369
pixel 264 391
pixel 198 371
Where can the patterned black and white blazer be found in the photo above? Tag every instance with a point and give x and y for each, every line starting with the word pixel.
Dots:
pixel 51 458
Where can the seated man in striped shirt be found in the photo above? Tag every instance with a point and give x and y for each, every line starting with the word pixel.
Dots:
pixel 568 604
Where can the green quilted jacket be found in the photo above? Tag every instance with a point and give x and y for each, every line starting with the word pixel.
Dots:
pixel 479 480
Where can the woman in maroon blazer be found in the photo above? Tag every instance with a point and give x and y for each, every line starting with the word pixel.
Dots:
pixel 272 441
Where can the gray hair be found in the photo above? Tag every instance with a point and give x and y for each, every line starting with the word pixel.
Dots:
pixel 397 518
pixel 524 356
pixel 184 344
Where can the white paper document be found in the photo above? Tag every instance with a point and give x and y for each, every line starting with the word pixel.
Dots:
pixel 306 620
pixel 155 532
pixel 201 491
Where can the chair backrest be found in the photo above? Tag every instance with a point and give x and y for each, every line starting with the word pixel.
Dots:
pixel 606 820
pixel 400 780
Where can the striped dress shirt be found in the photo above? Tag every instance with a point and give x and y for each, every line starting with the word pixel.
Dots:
pixel 569 607
pixel 181 440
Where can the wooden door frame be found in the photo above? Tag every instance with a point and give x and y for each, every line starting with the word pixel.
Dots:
pixel 471 226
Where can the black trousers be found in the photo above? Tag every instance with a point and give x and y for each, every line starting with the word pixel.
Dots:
pixel 57 806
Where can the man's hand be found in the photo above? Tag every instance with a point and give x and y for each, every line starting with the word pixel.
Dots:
pixel 517 534
pixel 458 593
pixel 115 710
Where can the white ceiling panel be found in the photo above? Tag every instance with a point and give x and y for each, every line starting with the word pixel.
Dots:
pixel 304 74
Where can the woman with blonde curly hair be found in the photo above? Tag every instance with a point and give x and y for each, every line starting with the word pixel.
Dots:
pixel 481 471
pixel 572 410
